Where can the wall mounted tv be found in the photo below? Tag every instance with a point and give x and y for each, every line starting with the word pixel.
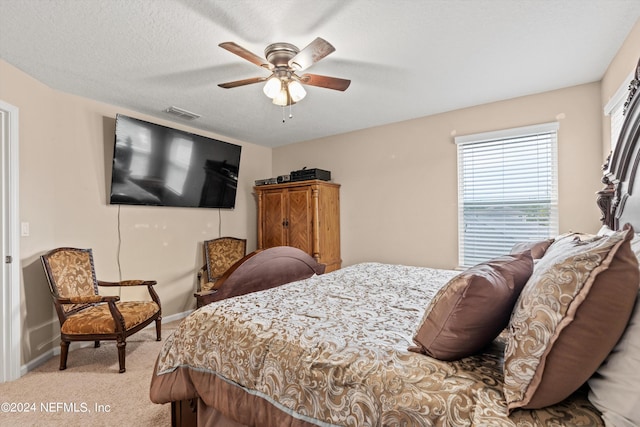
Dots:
pixel 160 166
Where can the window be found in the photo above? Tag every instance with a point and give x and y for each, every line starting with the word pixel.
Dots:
pixel 507 190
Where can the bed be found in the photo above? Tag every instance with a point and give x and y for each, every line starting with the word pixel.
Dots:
pixel 544 336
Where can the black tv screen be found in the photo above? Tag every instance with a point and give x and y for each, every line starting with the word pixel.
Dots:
pixel 160 166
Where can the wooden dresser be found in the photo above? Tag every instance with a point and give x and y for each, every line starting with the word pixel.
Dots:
pixel 303 214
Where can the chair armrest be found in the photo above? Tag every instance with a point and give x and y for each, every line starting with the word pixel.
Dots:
pixel 148 283
pixel 128 283
pixel 204 297
pixel 202 276
pixel 88 299
pixel 202 271
pixel 202 293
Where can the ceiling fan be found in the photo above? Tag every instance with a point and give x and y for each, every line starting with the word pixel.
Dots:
pixel 285 60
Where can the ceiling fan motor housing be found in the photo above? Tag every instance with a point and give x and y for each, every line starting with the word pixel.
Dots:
pixel 279 54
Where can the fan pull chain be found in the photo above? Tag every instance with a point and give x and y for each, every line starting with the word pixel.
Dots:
pixel 290 112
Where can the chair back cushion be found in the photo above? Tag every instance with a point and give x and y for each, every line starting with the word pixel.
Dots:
pixel 71 274
pixel 221 254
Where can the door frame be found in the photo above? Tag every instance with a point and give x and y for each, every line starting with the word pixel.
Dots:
pixel 10 304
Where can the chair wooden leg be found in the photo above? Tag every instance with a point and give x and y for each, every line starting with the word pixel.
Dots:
pixel 64 352
pixel 159 329
pixel 96 344
pixel 121 354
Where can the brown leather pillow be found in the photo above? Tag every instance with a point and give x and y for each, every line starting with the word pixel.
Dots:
pixel 537 248
pixel 472 308
pixel 569 316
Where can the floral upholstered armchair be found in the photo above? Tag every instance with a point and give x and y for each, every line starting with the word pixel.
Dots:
pixel 220 254
pixel 87 316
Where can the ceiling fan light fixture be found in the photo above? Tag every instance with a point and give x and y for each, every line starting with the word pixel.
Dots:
pixel 284 60
pixel 296 91
pixel 273 87
pixel 282 98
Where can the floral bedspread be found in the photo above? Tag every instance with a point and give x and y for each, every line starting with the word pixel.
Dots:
pixel 332 350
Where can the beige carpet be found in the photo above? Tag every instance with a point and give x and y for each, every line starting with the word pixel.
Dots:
pixel 90 392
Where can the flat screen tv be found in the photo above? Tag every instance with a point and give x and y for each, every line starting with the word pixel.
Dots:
pixel 160 166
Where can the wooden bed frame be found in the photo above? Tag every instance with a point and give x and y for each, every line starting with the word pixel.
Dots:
pixel 257 271
pixel 615 200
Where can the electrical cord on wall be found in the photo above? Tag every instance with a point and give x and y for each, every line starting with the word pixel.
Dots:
pixel 118 253
pixel 219 222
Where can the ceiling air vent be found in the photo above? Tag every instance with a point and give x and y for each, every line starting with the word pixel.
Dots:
pixel 183 114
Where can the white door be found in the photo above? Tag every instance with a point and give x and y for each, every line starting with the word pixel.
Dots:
pixel 10 261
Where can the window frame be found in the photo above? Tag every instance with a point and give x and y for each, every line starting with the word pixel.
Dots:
pixel 506 136
pixel 614 109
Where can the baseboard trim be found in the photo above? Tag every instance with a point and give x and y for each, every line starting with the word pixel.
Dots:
pixel 175 317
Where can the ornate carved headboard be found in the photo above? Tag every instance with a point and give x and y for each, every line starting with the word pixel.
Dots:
pixel 621 176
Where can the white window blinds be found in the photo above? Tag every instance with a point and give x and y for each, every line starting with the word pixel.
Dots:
pixel 507 190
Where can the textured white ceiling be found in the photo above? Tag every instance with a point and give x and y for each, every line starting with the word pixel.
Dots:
pixel 405 58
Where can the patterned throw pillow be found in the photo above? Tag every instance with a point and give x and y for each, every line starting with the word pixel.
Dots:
pixel 569 316
pixel 469 312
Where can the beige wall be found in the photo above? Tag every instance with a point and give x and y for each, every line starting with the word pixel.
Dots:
pixel 399 182
pixel 66 146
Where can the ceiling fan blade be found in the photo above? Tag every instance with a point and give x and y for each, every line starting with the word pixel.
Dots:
pixel 325 81
pixel 314 52
pixel 237 83
pixel 244 53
